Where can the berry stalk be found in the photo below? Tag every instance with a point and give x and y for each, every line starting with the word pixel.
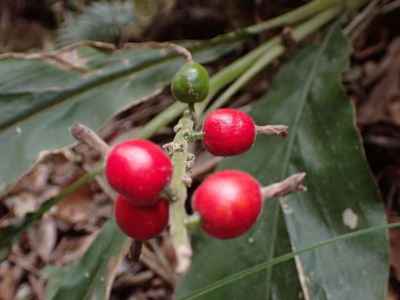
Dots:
pixel 178 190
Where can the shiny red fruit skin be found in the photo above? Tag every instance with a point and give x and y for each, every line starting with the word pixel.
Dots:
pixel 228 132
pixel 139 170
pixel 228 203
pixel 141 223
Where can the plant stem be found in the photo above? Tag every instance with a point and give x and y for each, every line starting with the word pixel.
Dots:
pixel 161 120
pixel 235 69
pixel 178 188
pixel 273 51
pixel 293 16
pixel 296 15
pixel 217 82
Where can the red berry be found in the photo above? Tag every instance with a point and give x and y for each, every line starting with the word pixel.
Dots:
pixel 228 203
pixel 228 131
pixel 139 170
pixel 141 223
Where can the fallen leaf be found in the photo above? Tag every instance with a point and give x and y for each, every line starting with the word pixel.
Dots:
pixel 43 238
pixel 383 103
pixel 77 207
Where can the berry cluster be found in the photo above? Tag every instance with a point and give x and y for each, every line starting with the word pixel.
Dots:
pixel 139 170
pixel 227 202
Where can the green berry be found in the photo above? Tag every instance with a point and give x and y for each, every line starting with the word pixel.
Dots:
pixel 191 83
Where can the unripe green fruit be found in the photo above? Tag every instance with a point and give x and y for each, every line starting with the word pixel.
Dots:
pixel 191 83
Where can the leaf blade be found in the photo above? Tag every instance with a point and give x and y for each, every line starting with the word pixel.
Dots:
pixel 312 80
pixel 90 276
pixel 39 100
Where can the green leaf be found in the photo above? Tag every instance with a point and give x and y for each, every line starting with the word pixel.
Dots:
pixel 91 276
pixel 308 96
pixel 216 259
pixel 235 277
pixel 41 98
pixel 342 195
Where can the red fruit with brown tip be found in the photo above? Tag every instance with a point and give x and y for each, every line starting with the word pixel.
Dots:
pixel 139 170
pixel 228 131
pixel 141 223
pixel 228 203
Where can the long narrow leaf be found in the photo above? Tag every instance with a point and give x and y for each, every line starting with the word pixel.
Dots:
pixel 308 96
pixel 41 98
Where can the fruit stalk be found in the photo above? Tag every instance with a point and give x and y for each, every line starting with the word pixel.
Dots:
pixel 178 190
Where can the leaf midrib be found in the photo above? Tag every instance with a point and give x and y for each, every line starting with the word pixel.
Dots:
pixel 98 81
pixel 289 149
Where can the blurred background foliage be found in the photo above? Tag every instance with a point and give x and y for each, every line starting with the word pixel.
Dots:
pixel 51 23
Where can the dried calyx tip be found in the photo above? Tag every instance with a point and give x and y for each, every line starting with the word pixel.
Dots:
pixel 87 136
pixel 280 130
pixel 291 184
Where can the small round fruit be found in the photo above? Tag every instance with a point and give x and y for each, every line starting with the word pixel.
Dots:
pixel 228 203
pixel 228 132
pixel 139 170
pixel 141 223
pixel 191 83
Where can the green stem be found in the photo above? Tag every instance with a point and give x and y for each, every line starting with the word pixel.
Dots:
pixel 217 82
pixel 273 50
pixel 234 70
pixel 284 258
pixel 178 188
pixel 272 54
pixel 299 14
pixel 162 120
pixel 293 16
